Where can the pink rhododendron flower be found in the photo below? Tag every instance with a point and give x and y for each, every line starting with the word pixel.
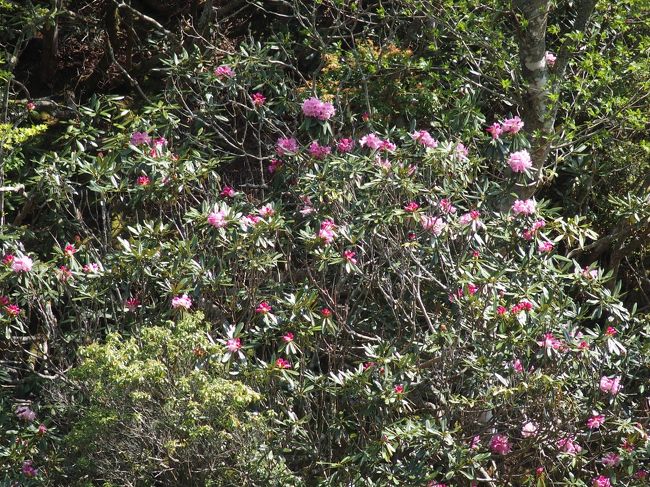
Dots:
pixel 545 247
pixel 282 364
pixel 8 259
pixel 502 310
pixel 512 125
pixel 288 337
pixel 461 151
pixel 523 305
pixel 611 460
pixel 249 221
pixel 345 145
pixel 370 140
pixel 529 430
pixel 315 108
pixel 28 469
pixel 469 217
pixel 583 345
pixel 132 304
pixel 500 444
pixel 224 71
pixel 25 413
pixel 326 312
pixel 541 223
pixel 69 250
pixel 91 268
pixel 411 207
pixel 387 145
pixel 30 105
pixel 286 145
pixel 183 301
pixel 539 471
pixel 601 481
pixel 596 421
pixel 274 165
pixel 495 130
pixel 610 331
pixel 610 385
pixel 590 273
pixel 22 264
pixel 476 442
pixel 12 309
pixel 258 99
pixel 233 345
pixel 433 224
pixel 424 138
pixel 266 211
pixel 517 366
pixel 568 445
pixel 42 429
pixel 318 151
pixel 385 164
pixel 365 116
pixel 549 341
pixel 550 59
pixel 140 138
pixel 217 219
pixel 326 232
pixel 227 192
pixel 350 256
pixel 143 181
pixel 446 206
pixel 524 207
pixel 263 308
pixel 520 161
pixel 399 389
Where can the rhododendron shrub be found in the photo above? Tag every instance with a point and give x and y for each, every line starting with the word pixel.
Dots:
pixel 380 308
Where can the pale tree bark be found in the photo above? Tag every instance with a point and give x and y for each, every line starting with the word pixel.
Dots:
pixel 539 117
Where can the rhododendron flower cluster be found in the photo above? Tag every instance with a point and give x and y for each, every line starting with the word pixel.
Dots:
pixel 520 161
pixel 611 460
pixel 282 364
pixel 25 413
pixel 595 421
pixel 143 180
pixel 500 444
pixel 495 130
pixel 266 211
pixel 263 308
pixel 424 138
pixel 524 207
pixel 549 341
pixel 433 224
pixel 345 145
pixel 286 145
pixel 550 59
pixel 140 138
pixel 372 141
pixel 512 125
pixel 233 345
pixel 461 151
pixel 601 481
pixel 182 302
pixel 315 108
pixel 227 192
pixel 470 217
pixel 258 99
pixel 274 165
pixel 318 151
pixel 529 429
pixel 217 219
pixel 350 256
pixel 446 206
pixel 224 71
pixel 22 264
pixel 288 337
pixel 411 207
pixel 610 385
pixel 327 231
pixel 545 246
pixel 569 445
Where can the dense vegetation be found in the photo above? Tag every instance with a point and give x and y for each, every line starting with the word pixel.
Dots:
pixel 324 243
